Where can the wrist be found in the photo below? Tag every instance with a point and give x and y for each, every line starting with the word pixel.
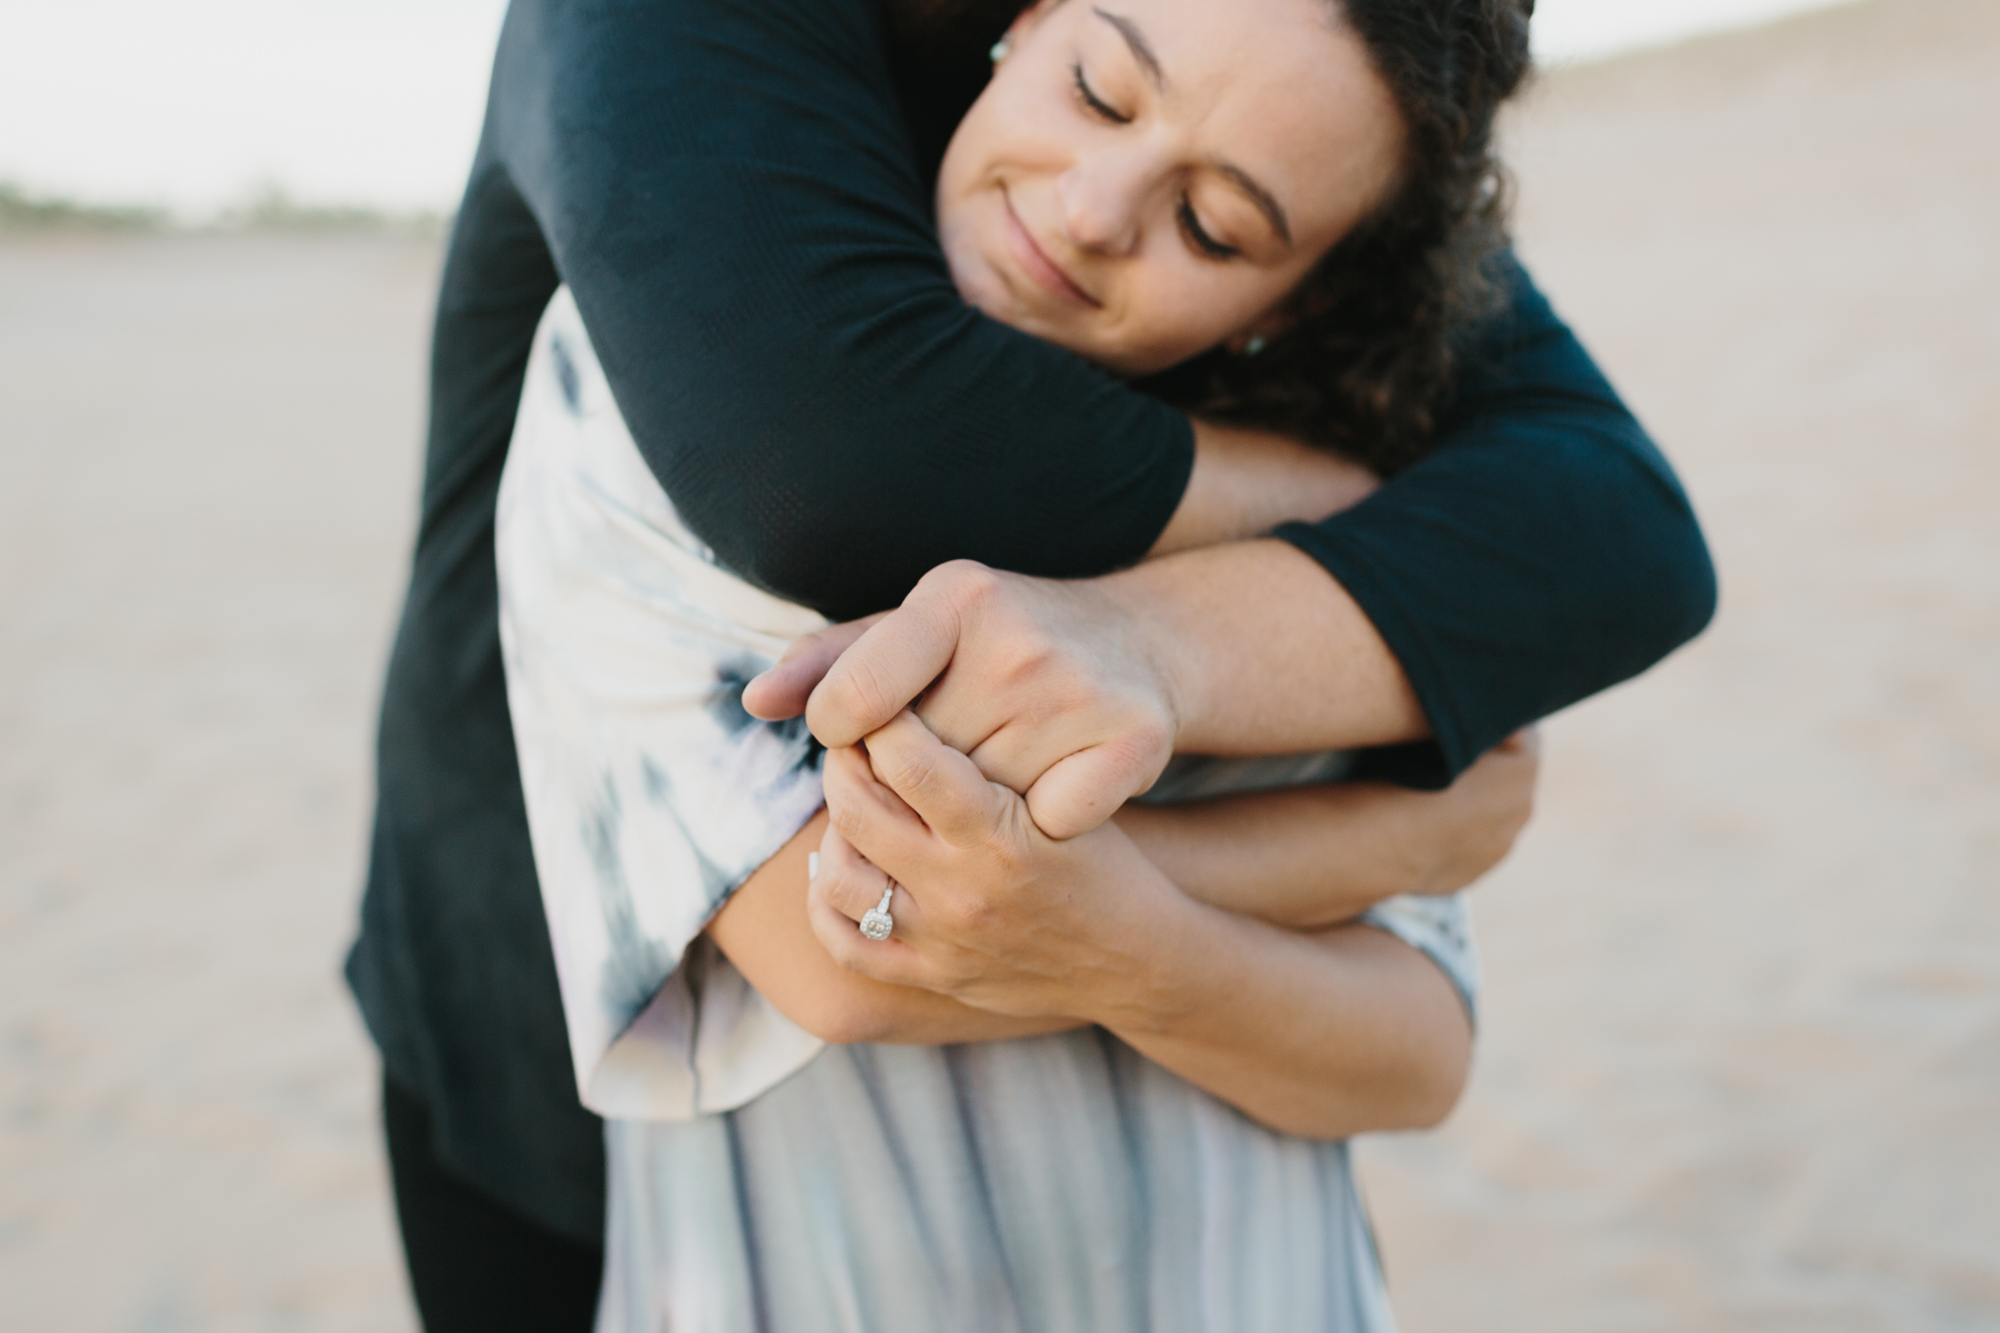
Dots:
pixel 1185 955
pixel 1160 621
pixel 1208 620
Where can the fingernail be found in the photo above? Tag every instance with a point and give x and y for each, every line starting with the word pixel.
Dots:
pixel 812 866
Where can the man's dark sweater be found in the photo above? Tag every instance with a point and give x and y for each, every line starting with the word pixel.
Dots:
pixel 738 197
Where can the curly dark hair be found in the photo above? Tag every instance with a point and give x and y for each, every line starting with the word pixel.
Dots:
pixel 1369 358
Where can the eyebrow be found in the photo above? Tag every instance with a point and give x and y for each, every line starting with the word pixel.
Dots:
pixel 1142 52
pixel 1266 202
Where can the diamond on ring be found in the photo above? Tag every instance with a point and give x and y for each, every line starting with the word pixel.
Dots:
pixel 876 923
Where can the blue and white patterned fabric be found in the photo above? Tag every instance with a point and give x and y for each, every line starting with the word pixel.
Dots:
pixel 759 1179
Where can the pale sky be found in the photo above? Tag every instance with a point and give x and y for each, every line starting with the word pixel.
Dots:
pixel 195 104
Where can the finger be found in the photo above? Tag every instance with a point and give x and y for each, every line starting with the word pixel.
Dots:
pixel 1030 744
pixel 945 788
pixel 846 888
pixel 873 818
pixel 896 659
pixel 891 960
pixel 843 876
pixel 781 691
pixel 1084 789
pixel 854 886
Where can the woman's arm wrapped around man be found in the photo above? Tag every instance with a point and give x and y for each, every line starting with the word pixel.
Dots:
pixel 1321 1033
pixel 1214 938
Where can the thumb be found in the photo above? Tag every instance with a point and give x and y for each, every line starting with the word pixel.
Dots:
pixel 886 668
pixel 1082 790
pixel 781 691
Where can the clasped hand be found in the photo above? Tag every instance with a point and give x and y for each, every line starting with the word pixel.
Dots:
pixel 1040 707
pixel 988 908
pixel 1052 688
pixel 1074 695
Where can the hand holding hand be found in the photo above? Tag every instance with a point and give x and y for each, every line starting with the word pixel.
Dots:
pixel 1053 688
pixel 987 908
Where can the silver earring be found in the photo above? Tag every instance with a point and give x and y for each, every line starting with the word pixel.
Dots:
pixel 1253 346
pixel 1001 50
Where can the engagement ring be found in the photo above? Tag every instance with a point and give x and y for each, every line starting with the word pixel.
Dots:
pixel 876 923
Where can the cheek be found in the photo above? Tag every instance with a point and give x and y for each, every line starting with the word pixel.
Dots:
pixel 955 175
pixel 1178 306
pixel 957 204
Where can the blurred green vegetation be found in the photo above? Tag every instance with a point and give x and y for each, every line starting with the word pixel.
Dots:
pixel 21 211
pixel 270 208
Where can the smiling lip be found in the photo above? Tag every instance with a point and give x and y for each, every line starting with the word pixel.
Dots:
pixel 1038 265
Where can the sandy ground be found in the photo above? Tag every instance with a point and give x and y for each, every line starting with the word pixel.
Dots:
pixel 1741 1056
pixel 207 483
pixel 1741 1066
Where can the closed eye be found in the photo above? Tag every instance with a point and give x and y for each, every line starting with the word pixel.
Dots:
pixel 1097 105
pixel 1207 244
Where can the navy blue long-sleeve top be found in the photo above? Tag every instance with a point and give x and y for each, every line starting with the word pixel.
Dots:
pixel 737 191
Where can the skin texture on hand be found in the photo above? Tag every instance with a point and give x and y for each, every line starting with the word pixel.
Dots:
pixel 1303 859
pixel 1321 1034
pixel 1062 691
pixel 1051 687
pixel 765 932
pixel 1009 919
pixel 1077 692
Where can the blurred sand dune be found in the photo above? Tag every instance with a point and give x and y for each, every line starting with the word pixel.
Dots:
pixel 1741 1058
pixel 1741 1053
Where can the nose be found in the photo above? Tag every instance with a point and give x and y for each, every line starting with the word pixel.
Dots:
pixel 1102 198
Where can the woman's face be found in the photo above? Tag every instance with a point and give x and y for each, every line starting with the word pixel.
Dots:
pixel 1146 179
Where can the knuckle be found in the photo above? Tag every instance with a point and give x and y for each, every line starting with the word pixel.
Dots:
pixel 1143 750
pixel 803 647
pixel 970 915
pixel 846 819
pixel 866 693
pixel 967 583
pixel 901 770
pixel 841 891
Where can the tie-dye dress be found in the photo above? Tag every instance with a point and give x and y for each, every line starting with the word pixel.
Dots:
pixel 759 1178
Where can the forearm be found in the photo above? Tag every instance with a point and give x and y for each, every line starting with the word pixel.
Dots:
pixel 1304 857
pixel 1542 552
pixel 763 930
pixel 1309 857
pixel 1260 652
pixel 1246 482
pixel 1323 1036
pixel 884 412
